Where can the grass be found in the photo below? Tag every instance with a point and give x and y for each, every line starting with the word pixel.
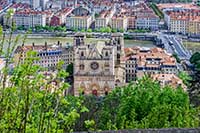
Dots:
pixel 194 46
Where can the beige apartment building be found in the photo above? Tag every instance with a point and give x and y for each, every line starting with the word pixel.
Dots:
pixel 119 23
pixel 131 22
pixel 179 25
pixel 194 26
pixel 30 18
pixel 104 18
pixel 79 18
pixel 186 22
pixel 79 22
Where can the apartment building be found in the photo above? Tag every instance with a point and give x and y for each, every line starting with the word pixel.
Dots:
pixel 35 4
pixel 179 25
pixel 194 26
pixel 104 18
pixel 30 18
pixel 184 21
pixel 145 61
pixel 169 80
pixel 102 5
pixel 139 16
pixel 79 22
pixel 49 55
pixel 119 22
pixel 80 18
pixel 131 22
pixel 60 17
pixel 149 21
pixel 15 7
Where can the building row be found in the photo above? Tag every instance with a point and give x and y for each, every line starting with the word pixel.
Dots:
pixel 181 17
pixel 124 17
pixel 49 55
pixel 102 66
pixel 184 21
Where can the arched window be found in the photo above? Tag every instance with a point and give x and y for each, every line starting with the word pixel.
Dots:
pixel 94 92
pixel 106 93
pixel 83 93
pixel 82 67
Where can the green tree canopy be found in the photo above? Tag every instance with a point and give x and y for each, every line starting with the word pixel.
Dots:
pixel 142 105
pixel 194 89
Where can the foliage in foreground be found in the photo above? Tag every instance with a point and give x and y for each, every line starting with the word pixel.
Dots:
pixel 194 88
pixel 143 105
pixel 27 105
pixel 26 102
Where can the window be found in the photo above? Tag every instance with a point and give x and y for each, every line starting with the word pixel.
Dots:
pixel 82 54
pixel 106 54
pixel 94 92
pixel 106 92
pixel 82 66
pixel 83 93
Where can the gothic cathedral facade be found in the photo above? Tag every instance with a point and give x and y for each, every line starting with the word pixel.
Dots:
pixel 98 67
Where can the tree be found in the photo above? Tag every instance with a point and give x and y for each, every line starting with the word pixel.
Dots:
pixel 114 30
pixel 27 104
pixel 70 69
pixel 82 30
pixel 89 30
pixel 185 77
pixel 108 30
pixel 141 105
pixel 195 59
pixel 20 28
pixel 194 89
pixel 177 58
pixel 121 30
pixel 38 28
pixel 60 28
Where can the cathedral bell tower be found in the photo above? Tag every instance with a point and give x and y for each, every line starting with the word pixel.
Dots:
pixel 79 39
pixel 117 39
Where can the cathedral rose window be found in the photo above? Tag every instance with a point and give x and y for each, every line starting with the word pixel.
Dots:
pixel 94 65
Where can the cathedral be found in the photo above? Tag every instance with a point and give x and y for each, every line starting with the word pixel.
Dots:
pixel 98 67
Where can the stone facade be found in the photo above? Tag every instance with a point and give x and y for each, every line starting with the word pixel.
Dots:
pixel 97 67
